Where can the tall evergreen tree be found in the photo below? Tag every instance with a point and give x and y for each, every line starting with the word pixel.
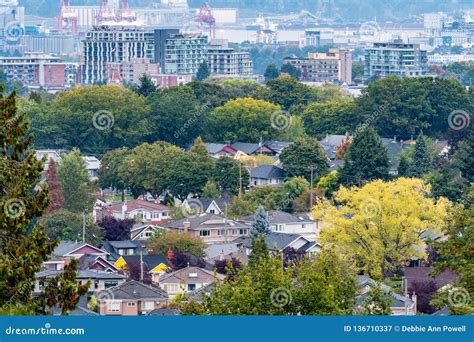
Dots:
pixel 24 245
pixel 403 166
pixel 203 72
pixel 75 183
pixel 259 251
pixel 421 163
pixel 55 192
pixel 260 227
pixel 62 291
pixel 202 166
pixel 463 158
pixel 366 158
pixel 146 87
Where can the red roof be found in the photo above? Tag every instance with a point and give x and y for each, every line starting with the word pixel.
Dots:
pixel 140 204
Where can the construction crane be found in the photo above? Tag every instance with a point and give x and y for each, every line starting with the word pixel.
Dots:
pixel 67 17
pixel 125 12
pixel 106 13
pixel 205 17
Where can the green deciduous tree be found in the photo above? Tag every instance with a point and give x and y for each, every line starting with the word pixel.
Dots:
pixel 271 72
pixel 457 252
pixel 303 157
pixel 231 176
pixel 210 190
pixel 75 182
pixel 325 286
pixel 66 225
pixel 94 119
pixel 377 302
pixel 244 119
pixel 163 241
pixel 176 115
pixel 335 117
pixel 291 70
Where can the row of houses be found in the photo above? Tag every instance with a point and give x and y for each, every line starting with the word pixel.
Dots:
pixel 117 294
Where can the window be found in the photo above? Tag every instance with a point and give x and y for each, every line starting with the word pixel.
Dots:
pixel 205 233
pixel 191 287
pixel 212 211
pixel 110 283
pixel 131 304
pixel 171 288
pixel 243 231
pixel 113 305
pixel 148 305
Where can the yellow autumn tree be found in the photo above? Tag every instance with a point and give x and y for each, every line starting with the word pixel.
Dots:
pixel 382 225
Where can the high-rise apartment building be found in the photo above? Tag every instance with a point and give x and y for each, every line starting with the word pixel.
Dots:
pixel 395 58
pixel 223 60
pixel 334 66
pixel 114 44
pixel 184 52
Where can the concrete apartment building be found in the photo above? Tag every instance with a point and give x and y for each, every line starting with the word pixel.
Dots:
pixel 184 52
pixel 334 66
pixel 395 58
pixel 114 44
pixel 223 60
pixel 39 70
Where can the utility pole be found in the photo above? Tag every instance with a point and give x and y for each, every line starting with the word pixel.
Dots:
pixel 311 186
pixel 240 178
pixel 83 227
pixel 225 224
pixel 141 266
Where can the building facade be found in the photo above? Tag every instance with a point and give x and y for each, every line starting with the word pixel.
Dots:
pixel 396 58
pixel 184 53
pixel 114 44
pixel 334 66
pixel 223 60
pixel 129 72
pixel 39 70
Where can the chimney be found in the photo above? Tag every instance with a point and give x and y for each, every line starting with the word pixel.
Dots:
pixel 124 210
pixel 414 298
pixel 394 139
pixel 186 226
